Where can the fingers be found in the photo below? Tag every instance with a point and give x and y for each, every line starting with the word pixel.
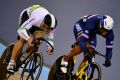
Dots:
pixel 50 51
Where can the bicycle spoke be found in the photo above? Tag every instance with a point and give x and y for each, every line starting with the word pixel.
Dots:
pixel 8 76
pixel 33 68
pixel 30 63
pixel 36 66
pixel 32 76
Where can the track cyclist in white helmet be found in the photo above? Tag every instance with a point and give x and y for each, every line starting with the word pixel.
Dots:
pixel 85 32
pixel 35 21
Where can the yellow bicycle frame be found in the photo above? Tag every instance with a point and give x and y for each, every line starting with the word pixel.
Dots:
pixel 81 72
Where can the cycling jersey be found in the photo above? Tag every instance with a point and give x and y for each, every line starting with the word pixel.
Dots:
pixel 30 20
pixel 87 28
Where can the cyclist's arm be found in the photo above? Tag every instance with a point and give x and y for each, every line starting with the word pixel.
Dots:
pixel 93 41
pixel 109 44
pixel 22 31
pixel 50 39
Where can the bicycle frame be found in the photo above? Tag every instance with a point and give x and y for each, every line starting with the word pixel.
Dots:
pixel 87 66
pixel 31 53
pixel 28 56
pixel 81 72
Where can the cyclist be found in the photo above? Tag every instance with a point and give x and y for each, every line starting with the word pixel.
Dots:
pixel 35 21
pixel 85 31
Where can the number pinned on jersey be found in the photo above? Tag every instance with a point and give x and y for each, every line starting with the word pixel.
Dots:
pixel 78 27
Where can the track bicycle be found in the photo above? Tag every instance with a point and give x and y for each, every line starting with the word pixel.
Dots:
pixel 33 62
pixel 90 71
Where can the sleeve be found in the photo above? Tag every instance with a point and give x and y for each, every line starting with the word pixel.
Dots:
pixel 93 41
pixel 22 31
pixel 109 44
pixel 50 39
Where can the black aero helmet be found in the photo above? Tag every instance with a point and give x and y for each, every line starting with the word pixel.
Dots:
pixel 51 21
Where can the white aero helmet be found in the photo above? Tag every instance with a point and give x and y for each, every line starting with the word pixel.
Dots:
pixel 51 21
pixel 106 22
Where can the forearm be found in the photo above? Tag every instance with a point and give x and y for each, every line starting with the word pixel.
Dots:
pixel 109 44
pixel 51 38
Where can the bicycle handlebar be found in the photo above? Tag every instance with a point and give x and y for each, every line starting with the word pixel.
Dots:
pixel 98 53
pixel 43 39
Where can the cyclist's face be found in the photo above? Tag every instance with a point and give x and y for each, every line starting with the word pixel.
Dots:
pixel 102 31
pixel 46 28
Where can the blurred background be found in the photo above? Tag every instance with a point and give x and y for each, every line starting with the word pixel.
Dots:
pixel 67 13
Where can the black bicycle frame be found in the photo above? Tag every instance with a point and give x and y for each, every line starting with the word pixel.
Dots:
pixel 35 49
pixel 31 53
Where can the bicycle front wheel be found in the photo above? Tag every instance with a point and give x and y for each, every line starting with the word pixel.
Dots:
pixel 93 72
pixel 33 67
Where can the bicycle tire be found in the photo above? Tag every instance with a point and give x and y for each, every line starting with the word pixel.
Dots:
pixel 54 69
pixel 7 51
pixel 94 72
pixel 5 58
pixel 52 72
pixel 31 70
pixel 55 72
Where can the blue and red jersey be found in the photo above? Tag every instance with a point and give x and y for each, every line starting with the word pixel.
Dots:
pixel 87 28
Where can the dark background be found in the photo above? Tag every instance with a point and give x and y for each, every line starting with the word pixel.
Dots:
pixel 67 13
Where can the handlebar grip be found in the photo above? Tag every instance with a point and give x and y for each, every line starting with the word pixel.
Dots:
pixel 98 53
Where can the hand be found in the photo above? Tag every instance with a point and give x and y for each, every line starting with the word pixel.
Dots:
pixel 107 63
pixel 50 51
pixel 29 42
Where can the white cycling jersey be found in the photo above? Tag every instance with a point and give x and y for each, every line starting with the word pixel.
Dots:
pixel 36 15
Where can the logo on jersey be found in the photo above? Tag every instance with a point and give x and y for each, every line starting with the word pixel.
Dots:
pixel 92 42
pixel 78 27
pixel 111 42
pixel 86 31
